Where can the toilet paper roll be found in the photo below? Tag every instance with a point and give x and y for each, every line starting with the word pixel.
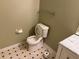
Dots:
pixel 19 31
pixel 46 54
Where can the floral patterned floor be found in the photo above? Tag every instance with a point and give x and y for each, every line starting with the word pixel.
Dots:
pixel 20 51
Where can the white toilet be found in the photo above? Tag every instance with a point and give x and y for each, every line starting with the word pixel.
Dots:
pixel 36 41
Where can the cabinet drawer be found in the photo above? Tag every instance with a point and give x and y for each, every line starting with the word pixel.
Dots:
pixel 66 54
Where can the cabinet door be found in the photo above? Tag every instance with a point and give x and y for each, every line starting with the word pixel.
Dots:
pixel 66 54
pixel 59 52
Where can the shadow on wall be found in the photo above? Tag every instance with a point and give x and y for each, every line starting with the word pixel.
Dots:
pixel 32 31
pixel 62 16
pixel 59 29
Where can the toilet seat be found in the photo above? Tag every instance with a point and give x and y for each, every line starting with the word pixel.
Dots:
pixel 32 40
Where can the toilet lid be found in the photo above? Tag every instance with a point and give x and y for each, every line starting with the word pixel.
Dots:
pixel 38 30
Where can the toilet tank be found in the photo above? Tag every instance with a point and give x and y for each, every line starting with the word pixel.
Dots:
pixel 41 30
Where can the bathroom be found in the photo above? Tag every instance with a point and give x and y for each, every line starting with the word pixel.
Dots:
pixel 61 16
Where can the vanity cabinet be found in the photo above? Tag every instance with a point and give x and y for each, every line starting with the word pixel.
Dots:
pixel 66 54
pixel 68 48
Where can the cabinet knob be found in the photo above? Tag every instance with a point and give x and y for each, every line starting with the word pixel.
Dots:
pixel 67 57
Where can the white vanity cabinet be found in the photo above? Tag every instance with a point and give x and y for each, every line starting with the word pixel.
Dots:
pixel 68 48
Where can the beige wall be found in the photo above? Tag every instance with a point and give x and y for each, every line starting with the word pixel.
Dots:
pixel 14 12
pixel 62 16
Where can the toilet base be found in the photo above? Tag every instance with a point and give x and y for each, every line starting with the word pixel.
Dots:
pixel 36 46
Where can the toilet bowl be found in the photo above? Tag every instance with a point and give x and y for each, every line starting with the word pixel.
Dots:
pixel 32 40
pixel 36 41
